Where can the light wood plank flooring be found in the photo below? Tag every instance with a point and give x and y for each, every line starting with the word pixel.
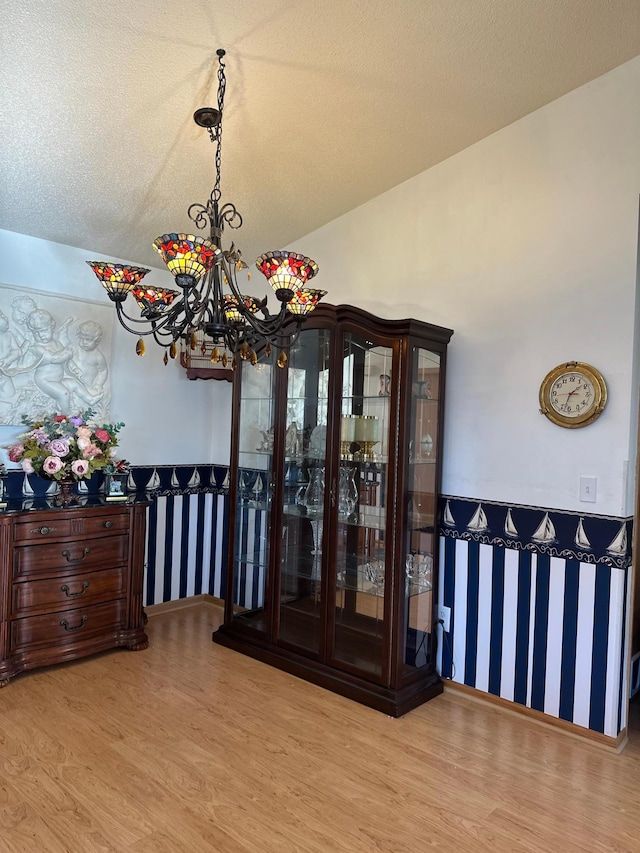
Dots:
pixel 188 746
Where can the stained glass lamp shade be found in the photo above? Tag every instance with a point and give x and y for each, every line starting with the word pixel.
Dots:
pixel 117 279
pixel 250 304
pixel 186 254
pixel 153 300
pixel 304 301
pixel 286 272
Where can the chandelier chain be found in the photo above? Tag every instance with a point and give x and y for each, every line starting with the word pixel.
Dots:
pixel 222 85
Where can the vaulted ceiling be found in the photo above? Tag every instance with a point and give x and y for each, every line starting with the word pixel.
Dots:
pixel 329 103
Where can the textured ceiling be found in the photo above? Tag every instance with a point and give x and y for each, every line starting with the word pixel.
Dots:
pixel 329 103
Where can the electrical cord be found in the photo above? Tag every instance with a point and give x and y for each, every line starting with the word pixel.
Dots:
pixel 449 646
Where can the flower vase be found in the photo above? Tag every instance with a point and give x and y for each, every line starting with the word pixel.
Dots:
pixel 65 496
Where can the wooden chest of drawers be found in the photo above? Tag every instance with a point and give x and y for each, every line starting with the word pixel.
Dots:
pixel 70 584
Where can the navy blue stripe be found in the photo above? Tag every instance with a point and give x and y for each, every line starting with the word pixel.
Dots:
pixel 622 698
pixel 152 528
pixel 540 628
pixel 212 553
pixel 448 586
pixel 523 621
pixel 168 548
pixel 600 648
pixel 197 588
pixel 184 546
pixel 497 620
pixel 569 639
pixel 473 589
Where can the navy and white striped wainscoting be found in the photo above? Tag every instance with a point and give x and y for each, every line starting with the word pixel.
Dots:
pixel 187 530
pixel 539 623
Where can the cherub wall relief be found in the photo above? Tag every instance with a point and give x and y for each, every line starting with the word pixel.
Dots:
pixel 55 355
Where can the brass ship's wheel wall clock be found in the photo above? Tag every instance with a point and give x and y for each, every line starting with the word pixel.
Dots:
pixel 573 394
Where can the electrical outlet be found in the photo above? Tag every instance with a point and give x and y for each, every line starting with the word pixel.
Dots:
pixel 444 617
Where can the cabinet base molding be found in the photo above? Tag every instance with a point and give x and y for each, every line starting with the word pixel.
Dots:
pixel 394 703
pixel 598 739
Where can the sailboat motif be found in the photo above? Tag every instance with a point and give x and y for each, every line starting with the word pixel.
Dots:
pixel 509 527
pixel 175 482
pixel 618 545
pixel 154 482
pixel 447 517
pixel 478 522
pixel 131 483
pixel 226 481
pixel 545 532
pixel 53 488
pixel 82 487
pixel 26 486
pixel 258 485
pixel 580 538
pixel 195 479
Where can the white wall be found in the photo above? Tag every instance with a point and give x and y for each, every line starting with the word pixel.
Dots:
pixel 169 419
pixel 526 245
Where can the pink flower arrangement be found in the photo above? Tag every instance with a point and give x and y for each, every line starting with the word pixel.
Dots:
pixel 60 446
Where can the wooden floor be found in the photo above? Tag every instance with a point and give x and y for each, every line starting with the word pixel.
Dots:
pixel 189 746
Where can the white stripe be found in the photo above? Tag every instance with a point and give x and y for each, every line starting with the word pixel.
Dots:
pixel 459 637
pixel 161 509
pixel 584 646
pixel 206 543
pixel 532 614
pixel 614 642
pixel 251 544
pixel 557 571
pixel 219 533
pixel 484 617
pixel 193 542
pixel 509 624
pixel 175 546
pixel 146 560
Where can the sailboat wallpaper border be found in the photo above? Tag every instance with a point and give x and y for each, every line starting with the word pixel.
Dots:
pixel 559 533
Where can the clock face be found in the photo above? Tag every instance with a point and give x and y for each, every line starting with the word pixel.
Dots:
pixel 573 394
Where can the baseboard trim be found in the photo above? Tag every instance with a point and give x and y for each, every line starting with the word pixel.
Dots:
pixel 610 744
pixel 182 603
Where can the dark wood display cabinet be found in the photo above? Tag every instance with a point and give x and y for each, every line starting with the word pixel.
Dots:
pixel 335 479
pixel 71 583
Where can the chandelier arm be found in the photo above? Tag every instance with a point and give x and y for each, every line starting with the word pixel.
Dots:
pixel 120 314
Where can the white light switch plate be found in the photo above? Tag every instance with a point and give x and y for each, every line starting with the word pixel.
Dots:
pixel 588 489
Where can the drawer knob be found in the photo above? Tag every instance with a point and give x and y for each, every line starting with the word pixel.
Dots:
pixel 43 530
pixel 108 524
pixel 64 624
pixel 71 559
pixel 64 588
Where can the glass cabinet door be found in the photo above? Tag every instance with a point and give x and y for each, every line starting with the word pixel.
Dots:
pixel 360 567
pixel 305 474
pixel 420 508
pixel 254 485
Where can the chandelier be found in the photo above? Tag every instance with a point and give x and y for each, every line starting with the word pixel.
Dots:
pixel 201 314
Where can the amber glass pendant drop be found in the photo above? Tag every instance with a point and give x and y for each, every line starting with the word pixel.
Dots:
pixel 193 341
pixel 282 359
pixel 268 350
pixel 215 355
pixel 165 358
pixel 225 360
pixel 253 358
pixel 140 347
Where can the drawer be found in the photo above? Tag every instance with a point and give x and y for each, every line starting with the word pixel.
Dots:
pixel 67 626
pixel 61 525
pixel 49 558
pixel 35 596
